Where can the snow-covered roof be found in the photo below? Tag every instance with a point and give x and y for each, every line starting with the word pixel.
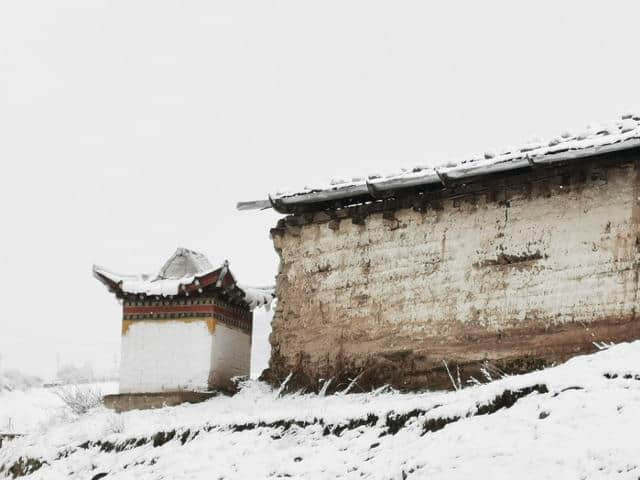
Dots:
pixel 185 263
pixel 621 134
pixel 186 272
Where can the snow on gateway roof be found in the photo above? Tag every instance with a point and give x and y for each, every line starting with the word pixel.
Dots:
pixel 620 134
pixel 182 274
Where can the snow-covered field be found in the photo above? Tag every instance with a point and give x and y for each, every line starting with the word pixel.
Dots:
pixel 32 410
pixel 578 420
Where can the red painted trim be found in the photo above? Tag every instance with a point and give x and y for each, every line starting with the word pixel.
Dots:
pixel 205 281
pixel 169 309
pixel 150 309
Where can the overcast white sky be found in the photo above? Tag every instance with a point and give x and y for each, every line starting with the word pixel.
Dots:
pixel 128 128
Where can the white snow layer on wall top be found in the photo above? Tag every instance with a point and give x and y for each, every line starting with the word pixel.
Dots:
pixel 183 268
pixel 594 139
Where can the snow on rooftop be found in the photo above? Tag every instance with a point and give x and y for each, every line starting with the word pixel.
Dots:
pixel 183 268
pixel 595 138
pixel 258 296
pixel 185 263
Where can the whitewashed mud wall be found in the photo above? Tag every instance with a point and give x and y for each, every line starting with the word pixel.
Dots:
pixel 165 355
pixel 231 355
pixel 182 355
pixel 521 276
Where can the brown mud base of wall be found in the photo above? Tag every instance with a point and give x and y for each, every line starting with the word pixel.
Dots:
pixel 420 364
pixel 412 373
pixel 123 402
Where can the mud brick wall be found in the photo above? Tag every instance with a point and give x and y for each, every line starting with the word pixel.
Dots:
pixel 522 271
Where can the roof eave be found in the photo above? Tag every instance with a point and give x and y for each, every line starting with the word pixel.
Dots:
pixel 101 275
pixel 366 191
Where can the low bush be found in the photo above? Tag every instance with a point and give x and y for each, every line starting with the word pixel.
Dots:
pixel 80 399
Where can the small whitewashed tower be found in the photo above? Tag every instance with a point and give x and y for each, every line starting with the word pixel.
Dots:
pixel 186 329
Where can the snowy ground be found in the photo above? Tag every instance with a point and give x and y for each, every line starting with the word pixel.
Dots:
pixel 578 420
pixel 32 410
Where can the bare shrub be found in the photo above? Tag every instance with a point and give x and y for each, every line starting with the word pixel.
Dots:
pixel 80 399
pixel 115 423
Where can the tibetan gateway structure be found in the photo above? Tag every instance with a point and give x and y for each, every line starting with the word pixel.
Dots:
pixel 520 257
pixel 185 332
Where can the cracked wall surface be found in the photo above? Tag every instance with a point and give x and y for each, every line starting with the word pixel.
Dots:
pixel 525 272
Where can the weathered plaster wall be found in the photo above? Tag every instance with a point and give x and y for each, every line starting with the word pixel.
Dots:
pixel 166 355
pixel 231 355
pixel 528 272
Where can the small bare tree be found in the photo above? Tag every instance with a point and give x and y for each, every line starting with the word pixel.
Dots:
pixel 79 399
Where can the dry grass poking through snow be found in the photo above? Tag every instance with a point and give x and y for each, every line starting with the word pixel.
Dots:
pixel 577 420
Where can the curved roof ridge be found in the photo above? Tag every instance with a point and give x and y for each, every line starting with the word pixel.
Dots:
pixel 183 263
pixel 187 272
